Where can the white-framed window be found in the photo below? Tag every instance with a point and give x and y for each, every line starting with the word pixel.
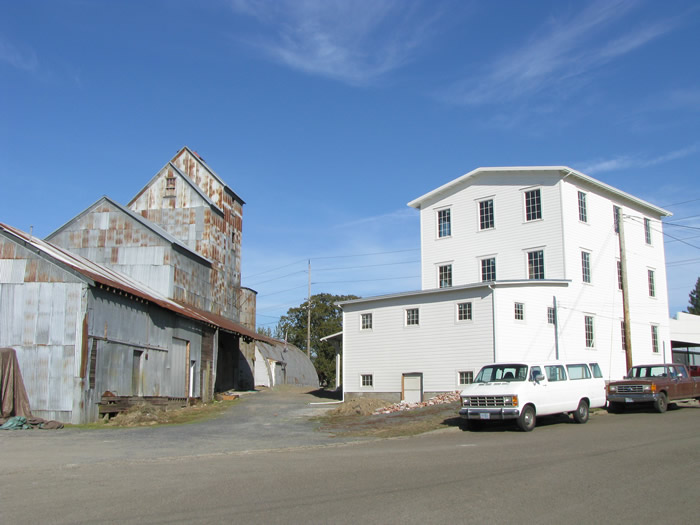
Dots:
pixel 617 217
pixel 655 338
pixel 623 337
pixel 588 323
pixel 533 205
pixel 412 317
pixel 551 315
pixel 488 269
pixel 445 275
pixel 582 212
pixel 586 266
pixel 535 264
pixel 464 311
pixel 366 321
pixel 366 380
pixel 519 311
pixel 486 218
pixel 647 231
pixel 619 275
pixel 651 282
pixel 465 377
pixel 444 222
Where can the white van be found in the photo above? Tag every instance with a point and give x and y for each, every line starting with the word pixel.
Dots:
pixel 524 391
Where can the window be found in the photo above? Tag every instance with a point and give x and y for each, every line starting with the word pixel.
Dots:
pixel 464 312
pixel 578 372
pixel 595 369
pixel 367 380
pixel 444 223
pixel 445 276
pixel 412 316
pixel 488 269
pixel 586 267
pixel 551 316
pixel 652 287
pixel 170 183
pixel 486 214
pixel 555 373
pixel 617 215
pixel 619 275
pixel 588 324
pixel 366 322
pixel 647 231
pixel 466 378
pixel 655 339
pixel 535 264
pixel 519 312
pixel 533 205
pixel 623 337
pixel 582 213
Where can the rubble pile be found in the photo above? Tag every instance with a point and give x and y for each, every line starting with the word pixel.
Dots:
pixel 440 399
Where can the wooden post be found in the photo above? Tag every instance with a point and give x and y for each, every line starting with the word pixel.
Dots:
pixel 625 288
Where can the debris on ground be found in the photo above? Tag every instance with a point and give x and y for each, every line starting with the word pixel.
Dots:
pixel 440 399
pixel 359 406
pixel 139 415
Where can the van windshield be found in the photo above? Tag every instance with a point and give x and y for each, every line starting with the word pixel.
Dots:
pixel 502 373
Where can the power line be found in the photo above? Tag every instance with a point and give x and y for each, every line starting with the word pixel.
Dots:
pixel 682 219
pixel 280 277
pixel 275 269
pixel 365 266
pixel 679 203
pixel 282 291
pixel 363 254
pixel 369 280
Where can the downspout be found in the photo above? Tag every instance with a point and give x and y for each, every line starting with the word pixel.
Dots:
pixel 493 319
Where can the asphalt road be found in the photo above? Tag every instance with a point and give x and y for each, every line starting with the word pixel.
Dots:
pixel 626 468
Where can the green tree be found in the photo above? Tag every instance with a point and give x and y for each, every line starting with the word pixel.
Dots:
pixel 264 330
pixel 694 307
pixel 326 319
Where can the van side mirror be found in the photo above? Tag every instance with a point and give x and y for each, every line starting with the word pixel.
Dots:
pixel 539 377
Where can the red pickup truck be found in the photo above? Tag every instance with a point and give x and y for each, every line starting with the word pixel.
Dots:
pixel 654 384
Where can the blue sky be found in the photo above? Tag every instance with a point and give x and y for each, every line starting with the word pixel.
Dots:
pixel 327 117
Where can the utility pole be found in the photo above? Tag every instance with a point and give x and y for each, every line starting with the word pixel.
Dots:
pixel 625 288
pixel 556 326
pixel 308 318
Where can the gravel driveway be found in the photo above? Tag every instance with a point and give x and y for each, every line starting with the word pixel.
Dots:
pixel 270 419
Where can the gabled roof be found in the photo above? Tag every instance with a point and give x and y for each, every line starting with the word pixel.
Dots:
pixel 564 171
pixel 101 276
pixel 141 220
pixel 211 171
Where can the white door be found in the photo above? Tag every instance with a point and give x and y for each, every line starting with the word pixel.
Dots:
pixel 413 388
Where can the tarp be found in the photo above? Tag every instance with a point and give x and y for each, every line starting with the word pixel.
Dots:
pixel 13 395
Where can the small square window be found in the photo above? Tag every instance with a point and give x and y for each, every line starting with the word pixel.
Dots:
pixel 445 276
pixel 486 221
pixel 590 336
pixel 464 311
pixel 466 378
pixel 366 322
pixel 488 269
pixel 367 380
pixel 582 212
pixel 519 312
pixel 444 223
pixel 412 317
pixel 533 205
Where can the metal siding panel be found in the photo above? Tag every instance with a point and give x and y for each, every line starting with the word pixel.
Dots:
pixel 178 367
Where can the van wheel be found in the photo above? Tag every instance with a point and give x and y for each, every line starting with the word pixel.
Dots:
pixel 527 419
pixel 581 413
pixel 661 403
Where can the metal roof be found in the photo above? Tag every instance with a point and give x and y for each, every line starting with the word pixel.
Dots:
pixel 102 276
pixel 565 171
pixel 140 219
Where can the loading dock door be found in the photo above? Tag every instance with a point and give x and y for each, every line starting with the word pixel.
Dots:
pixel 413 388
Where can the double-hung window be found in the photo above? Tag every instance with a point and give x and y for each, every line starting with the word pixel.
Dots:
pixel 445 275
pixel 412 317
pixel 464 311
pixel 367 380
pixel 488 269
pixel 652 285
pixel 623 337
pixel 655 339
pixel 444 223
pixel 617 217
pixel 586 267
pixel 619 275
pixel 647 231
pixel 366 322
pixel 533 205
pixel 486 220
pixel 582 212
pixel 535 264
pixel 588 326
pixel 519 311
pixel 551 315
pixel 466 378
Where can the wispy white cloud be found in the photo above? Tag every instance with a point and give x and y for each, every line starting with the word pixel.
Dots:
pixel 563 49
pixel 401 215
pixel 26 60
pixel 629 162
pixel 354 42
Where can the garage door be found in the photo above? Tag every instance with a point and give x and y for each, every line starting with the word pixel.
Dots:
pixel 413 388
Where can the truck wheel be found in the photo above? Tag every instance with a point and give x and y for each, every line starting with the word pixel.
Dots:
pixel 661 403
pixel 616 408
pixel 527 419
pixel 581 413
